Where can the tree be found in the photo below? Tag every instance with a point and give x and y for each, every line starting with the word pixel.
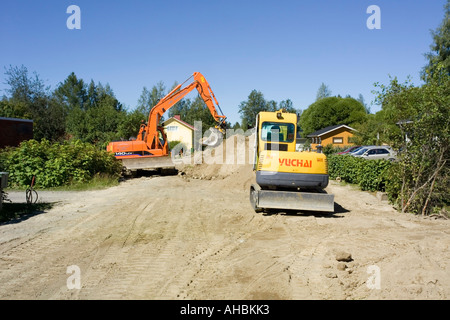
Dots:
pixel 14 109
pixel 361 100
pixel 440 49
pixel 23 87
pixel 105 95
pixel 71 93
pixel 323 92
pixel 180 107
pixel 331 111
pixel 149 99
pixel 92 96
pixel 130 125
pixel 198 111
pixel 99 119
pixel 29 98
pixel 373 131
pixel 144 101
pixel 244 124
pixel 256 103
pixel 420 179
pixel 48 119
pixel 249 109
pixel 288 106
pixel 271 105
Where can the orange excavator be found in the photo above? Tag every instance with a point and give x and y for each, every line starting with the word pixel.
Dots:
pixel 150 150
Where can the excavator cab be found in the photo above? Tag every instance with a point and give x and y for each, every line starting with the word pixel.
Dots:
pixel 162 138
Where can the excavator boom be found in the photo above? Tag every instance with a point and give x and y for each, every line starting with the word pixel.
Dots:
pixel 176 95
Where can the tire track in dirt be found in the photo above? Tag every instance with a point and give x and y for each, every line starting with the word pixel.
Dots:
pixel 117 261
pixel 223 269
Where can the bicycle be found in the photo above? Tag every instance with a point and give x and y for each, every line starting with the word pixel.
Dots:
pixel 30 193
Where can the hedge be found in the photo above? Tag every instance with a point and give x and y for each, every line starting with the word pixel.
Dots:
pixel 370 175
pixel 56 164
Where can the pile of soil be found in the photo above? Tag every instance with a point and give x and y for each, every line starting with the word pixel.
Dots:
pixel 218 163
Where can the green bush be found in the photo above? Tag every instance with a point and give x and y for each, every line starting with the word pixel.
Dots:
pixel 330 149
pixel 368 174
pixel 394 184
pixel 177 146
pixel 56 164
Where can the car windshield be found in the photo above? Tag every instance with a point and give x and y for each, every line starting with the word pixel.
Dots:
pixel 360 151
pixel 355 150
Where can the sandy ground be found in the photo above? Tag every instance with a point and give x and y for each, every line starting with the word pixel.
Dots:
pixel 195 236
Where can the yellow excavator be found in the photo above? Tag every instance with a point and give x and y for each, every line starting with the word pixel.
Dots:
pixel 287 179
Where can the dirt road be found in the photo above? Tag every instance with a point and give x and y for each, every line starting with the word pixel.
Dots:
pixel 177 237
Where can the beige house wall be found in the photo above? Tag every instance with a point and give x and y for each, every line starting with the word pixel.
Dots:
pixel 177 131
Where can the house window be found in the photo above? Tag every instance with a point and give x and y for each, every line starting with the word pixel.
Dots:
pixel 338 140
pixel 172 128
pixel 351 140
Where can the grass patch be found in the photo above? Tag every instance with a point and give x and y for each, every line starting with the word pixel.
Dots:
pixel 98 182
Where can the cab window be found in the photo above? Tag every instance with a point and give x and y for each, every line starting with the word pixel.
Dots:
pixel 285 131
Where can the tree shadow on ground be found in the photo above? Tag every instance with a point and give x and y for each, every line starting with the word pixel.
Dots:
pixel 18 212
pixel 150 173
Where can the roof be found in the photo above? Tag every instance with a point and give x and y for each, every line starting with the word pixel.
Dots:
pixel 15 119
pixel 326 130
pixel 178 119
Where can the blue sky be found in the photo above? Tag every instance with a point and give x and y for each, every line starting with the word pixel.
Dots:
pixel 285 49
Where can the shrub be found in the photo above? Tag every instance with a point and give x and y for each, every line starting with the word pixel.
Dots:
pixel 368 174
pixel 56 164
pixel 330 149
pixel 177 147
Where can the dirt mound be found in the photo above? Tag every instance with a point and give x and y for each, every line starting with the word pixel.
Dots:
pixel 208 171
pixel 232 157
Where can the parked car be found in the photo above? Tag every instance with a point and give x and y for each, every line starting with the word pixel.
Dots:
pixel 348 150
pixel 379 152
pixel 359 150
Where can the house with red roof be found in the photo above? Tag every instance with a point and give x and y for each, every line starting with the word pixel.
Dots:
pixel 179 130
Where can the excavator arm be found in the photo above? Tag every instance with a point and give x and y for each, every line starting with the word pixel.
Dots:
pixel 176 95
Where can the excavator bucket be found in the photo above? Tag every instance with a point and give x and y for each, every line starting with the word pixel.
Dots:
pixel 214 139
pixel 288 200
